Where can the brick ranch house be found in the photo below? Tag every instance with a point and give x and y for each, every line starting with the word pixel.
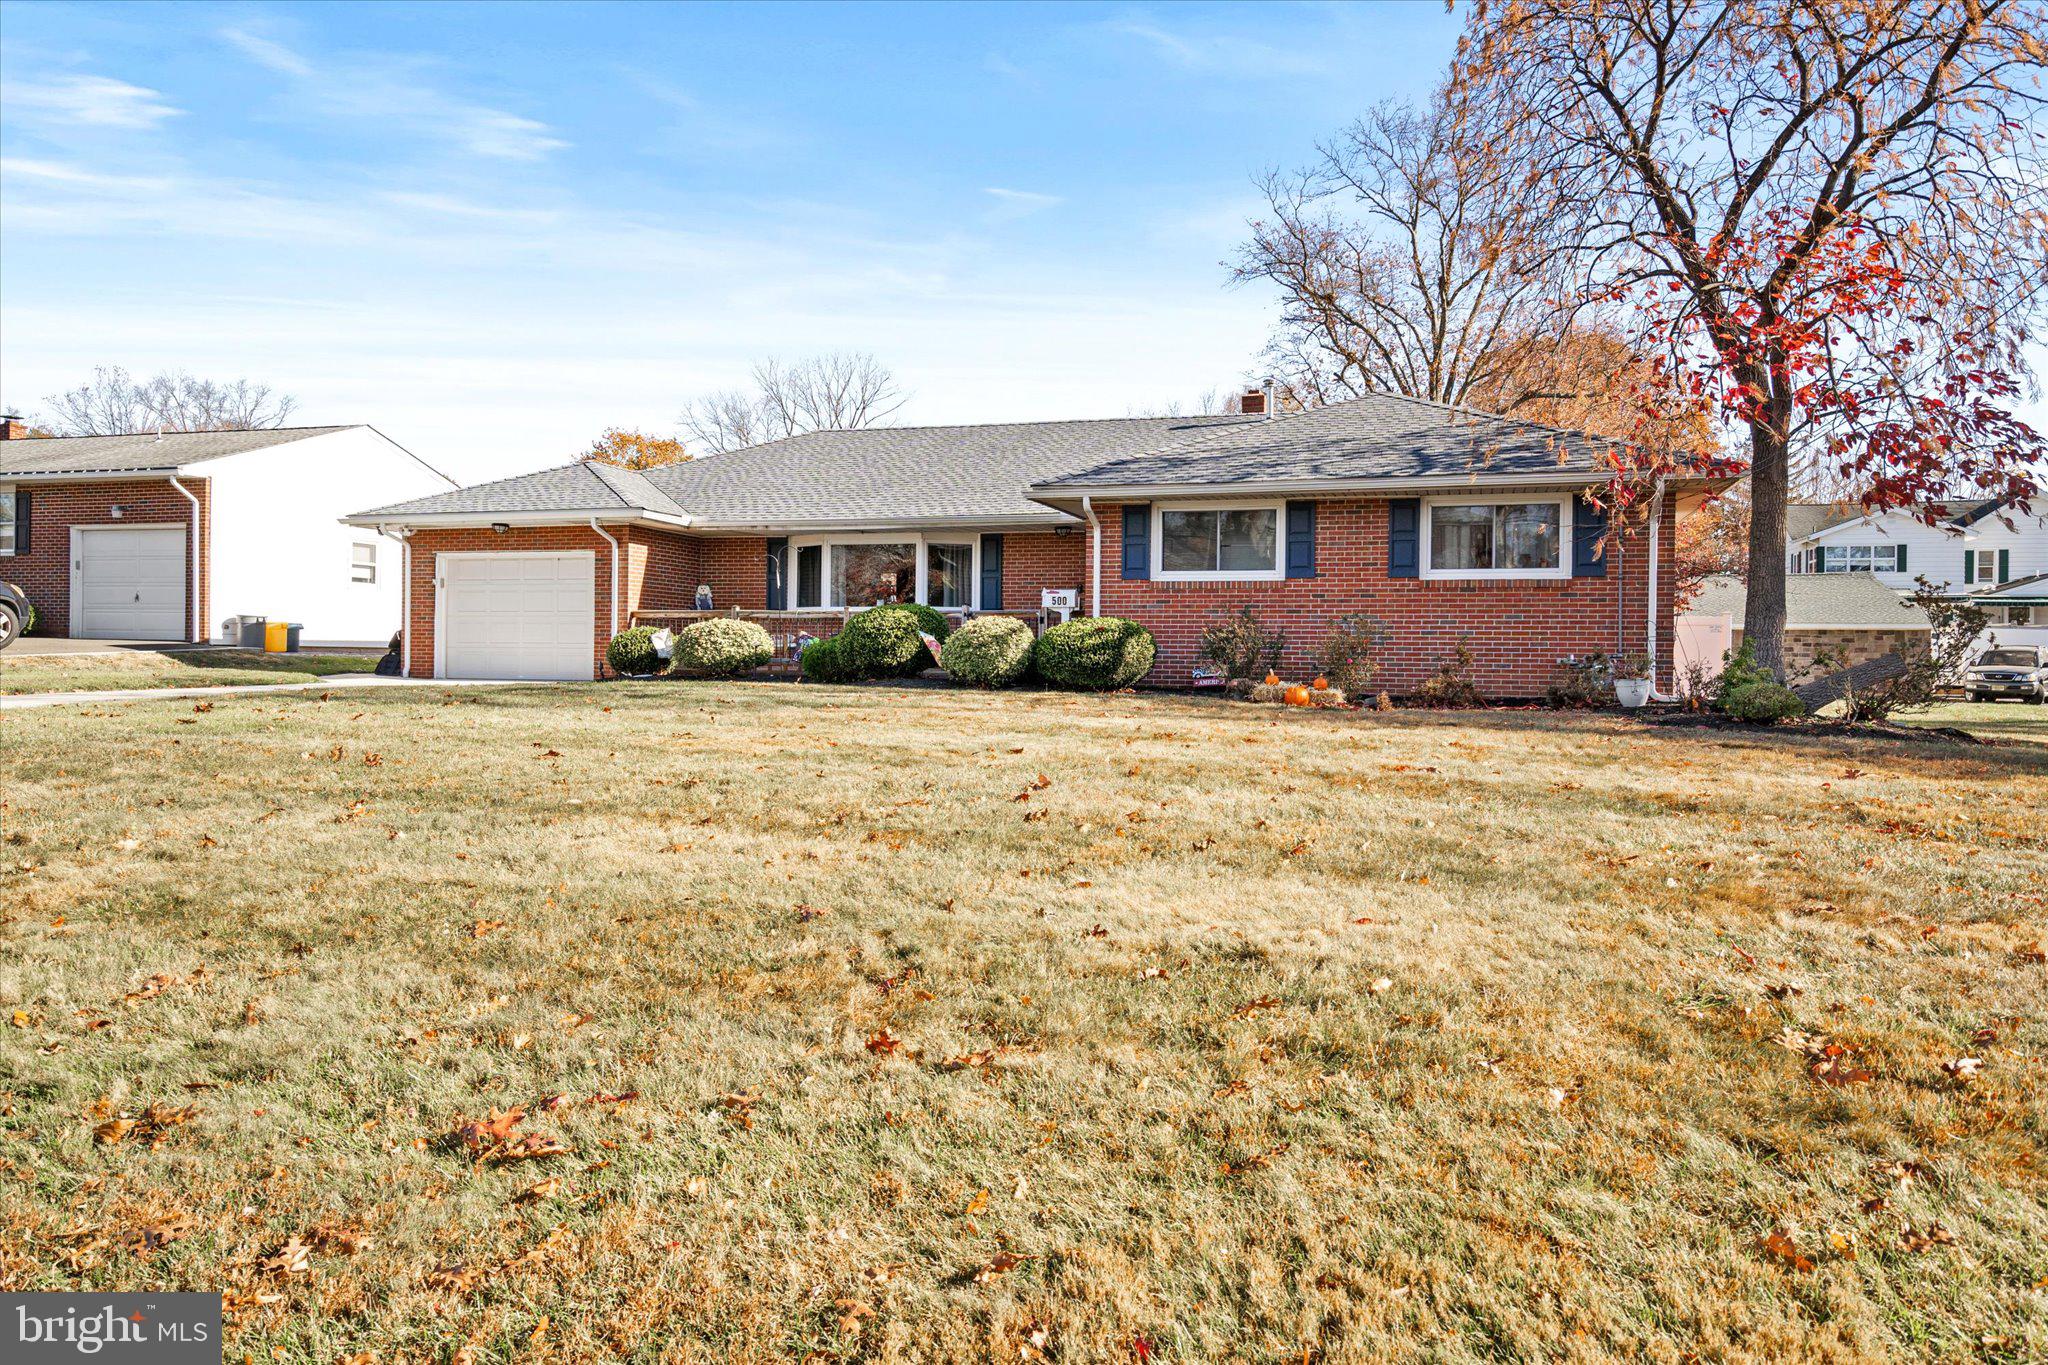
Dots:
pixel 143 537
pixel 1442 523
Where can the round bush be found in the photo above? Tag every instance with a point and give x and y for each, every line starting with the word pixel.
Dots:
pixel 882 642
pixel 631 653
pixel 823 662
pixel 1763 703
pixel 1098 654
pixel 724 647
pixel 989 651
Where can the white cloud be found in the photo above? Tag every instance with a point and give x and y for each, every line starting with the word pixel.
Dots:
pixel 91 101
pixel 395 91
pixel 1013 204
pixel 1221 54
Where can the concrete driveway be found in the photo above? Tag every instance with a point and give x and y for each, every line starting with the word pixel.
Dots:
pixel 31 645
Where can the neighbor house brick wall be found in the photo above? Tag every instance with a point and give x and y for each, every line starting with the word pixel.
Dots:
pixel 44 570
pixel 1843 648
pixel 1518 630
pixel 426 544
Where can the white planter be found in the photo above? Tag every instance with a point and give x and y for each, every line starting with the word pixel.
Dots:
pixel 1632 692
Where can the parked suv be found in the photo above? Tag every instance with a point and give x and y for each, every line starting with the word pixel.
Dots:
pixel 2020 673
pixel 16 615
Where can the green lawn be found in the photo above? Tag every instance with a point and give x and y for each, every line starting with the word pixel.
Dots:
pixel 734 1022
pixel 1992 719
pixel 23 673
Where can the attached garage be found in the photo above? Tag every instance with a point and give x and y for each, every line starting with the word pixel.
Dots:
pixel 516 614
pixel 128 583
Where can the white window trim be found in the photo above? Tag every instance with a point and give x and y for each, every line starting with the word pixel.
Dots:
pixel 922 540
pixel 8 551
pixel 356 566
pixel 1986 565
pixel 1278 507
pixel 1561 501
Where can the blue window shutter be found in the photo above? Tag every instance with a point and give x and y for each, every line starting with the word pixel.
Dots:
pixel 1137 540
pixel 778 578
pixel 1301 540
pixel 2004 565
pixel 21 501
pixel 992 573
pixel 1404 538
pixel 1902 559
pixel 1589 524
pixel 1969 566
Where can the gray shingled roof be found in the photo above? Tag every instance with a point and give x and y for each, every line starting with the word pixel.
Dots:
pixel 2033 588
pixel 1378 436
pixel 143 451
pixel 1803 519
pixel 1854 601
pixel 585 487
pixel 875 476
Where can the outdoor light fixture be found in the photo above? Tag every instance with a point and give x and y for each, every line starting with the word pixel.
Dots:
pixel 501 527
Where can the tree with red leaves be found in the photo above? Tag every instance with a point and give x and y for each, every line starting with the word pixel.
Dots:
pixel 1826 220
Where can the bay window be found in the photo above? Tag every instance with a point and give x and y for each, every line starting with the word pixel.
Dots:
pixel 1209 544
pixel 856 571
pixel 1497 538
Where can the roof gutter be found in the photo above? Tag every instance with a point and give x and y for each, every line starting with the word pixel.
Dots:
pixel 568 516
pixel 614 593
pixel 91 475
pixel 1046 493
pixel 1094 557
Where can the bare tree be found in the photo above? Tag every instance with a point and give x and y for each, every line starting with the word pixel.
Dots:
pixel 1827 220
pixel 1397 259
pixel 842 391
pixel 113 404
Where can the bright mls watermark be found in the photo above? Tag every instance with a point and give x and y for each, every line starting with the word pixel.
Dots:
pixel 123 1329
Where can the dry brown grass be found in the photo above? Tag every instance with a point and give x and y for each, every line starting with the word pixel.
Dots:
pixel 957 1017
pixel 24 673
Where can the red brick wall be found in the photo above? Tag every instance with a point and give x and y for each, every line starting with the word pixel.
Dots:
pixel 54 508
pixel 1039 560
pixel 664 569
pixel 1518 630
pixel 425 544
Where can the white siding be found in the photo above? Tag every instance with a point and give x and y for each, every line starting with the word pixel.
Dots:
pixel 1936 552
pixel 279 548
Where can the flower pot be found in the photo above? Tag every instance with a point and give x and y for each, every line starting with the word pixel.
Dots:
pixel 1632 692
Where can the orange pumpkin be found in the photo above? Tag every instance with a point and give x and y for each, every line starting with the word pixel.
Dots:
pixel 1321 684
pixel 1272 679
pixel 1297 695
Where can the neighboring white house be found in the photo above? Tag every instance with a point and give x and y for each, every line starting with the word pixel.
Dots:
pixel 161 537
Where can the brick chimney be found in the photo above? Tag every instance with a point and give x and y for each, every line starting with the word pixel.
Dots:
pixel 1252 402
pixel 12 428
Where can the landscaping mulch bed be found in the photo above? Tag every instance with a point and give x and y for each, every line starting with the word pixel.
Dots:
pixel 1711 720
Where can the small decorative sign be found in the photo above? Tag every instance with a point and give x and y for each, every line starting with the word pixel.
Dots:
pixel 1206 675
pixel 931 643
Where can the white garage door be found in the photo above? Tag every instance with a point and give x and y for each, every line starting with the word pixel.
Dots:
pixel 128 582
pixel 517 615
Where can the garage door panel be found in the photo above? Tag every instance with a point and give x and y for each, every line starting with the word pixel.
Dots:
pixel 517 615
pixel 129 583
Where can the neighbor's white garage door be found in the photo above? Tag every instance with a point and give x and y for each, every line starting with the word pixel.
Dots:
pixel 517 615
pixel 128 582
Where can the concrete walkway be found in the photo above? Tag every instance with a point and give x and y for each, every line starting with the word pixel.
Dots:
pixel 339 682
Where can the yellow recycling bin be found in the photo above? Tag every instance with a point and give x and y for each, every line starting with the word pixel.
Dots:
pixel 276 637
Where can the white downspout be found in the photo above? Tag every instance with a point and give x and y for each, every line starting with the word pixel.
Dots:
pixel 1094 557
pixel 615 571
pixel 404 538
pixel 196 625
pixel 1656 526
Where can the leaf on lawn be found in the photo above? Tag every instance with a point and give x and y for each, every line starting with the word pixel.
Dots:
pixel 739 1107
pixel 485 926
pixel 1003 1263
pixel 333 1239
pixel 113 1130
pixel 1251 1007
pixel 976 1204
pixel 289 1259
pixel 851 1311
pixel 538 1191
pixel 1963 1068
pixel 884 1042
pixel 1780 1247
pixel 1917 1240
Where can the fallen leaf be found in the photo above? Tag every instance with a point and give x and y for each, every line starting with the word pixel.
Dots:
pixel 1780 1246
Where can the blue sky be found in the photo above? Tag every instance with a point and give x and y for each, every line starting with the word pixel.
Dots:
pixel 493 230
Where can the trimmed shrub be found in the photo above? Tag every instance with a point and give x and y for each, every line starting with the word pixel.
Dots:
pixel 1739 672
pixel 1243 646
pixel 882 642
pixel 1098 654
pixel 631 653
pixel 723 647
pixel 1764 703
pixel 989 651
pixel 823 662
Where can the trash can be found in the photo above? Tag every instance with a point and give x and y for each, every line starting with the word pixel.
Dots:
pixel 291 636
pixel 276 637
pixel 252 631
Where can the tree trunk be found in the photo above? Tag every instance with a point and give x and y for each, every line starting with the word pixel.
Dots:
pixel 1763 626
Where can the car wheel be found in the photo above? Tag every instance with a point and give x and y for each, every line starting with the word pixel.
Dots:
pixel 10 625
pixel 1973 696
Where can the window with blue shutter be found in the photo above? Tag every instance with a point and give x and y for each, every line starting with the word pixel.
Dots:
pixel 1589 524
pixel 778 578
pixel 1137 561
pixel 1969 566
pixel 1900 560
pixel 2004 565
pixel 1404 538
pixel 1301 540
pixel 992 573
